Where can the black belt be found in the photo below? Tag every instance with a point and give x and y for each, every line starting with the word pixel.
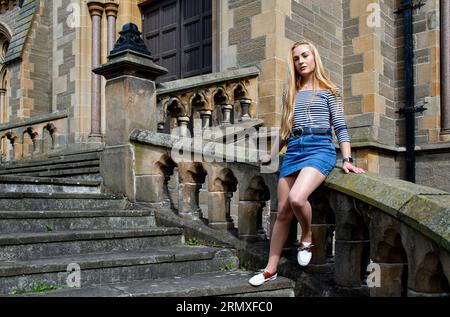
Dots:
pixel 304 131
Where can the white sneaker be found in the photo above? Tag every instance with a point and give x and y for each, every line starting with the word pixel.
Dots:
pixel 261 278
pixel 304 254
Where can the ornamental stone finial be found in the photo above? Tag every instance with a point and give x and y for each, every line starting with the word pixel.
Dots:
pixel 130 39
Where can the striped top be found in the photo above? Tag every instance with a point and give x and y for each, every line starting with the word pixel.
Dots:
pixel 324 111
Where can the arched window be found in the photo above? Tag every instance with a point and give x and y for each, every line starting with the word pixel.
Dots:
pixel 4 43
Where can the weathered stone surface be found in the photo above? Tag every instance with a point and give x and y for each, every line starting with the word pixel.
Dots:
pixel 429 214
pixel 217 210
pixel 117 169
pixel 348 266
pixel 385 241
pixel 149 188
pixel 248 213
pixel 391 281
pixel 425 273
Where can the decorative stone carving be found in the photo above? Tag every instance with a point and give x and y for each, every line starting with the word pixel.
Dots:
pixel 130 39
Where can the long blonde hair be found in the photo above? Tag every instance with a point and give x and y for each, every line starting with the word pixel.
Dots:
pixel 321 80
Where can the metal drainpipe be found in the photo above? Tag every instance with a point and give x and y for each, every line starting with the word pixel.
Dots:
pixel 409 110
pixel 444 9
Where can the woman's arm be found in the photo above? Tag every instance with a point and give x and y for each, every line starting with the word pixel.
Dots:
pixel 347 165
pixel 275 150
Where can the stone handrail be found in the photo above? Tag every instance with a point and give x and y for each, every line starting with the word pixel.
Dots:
pixel 33 136
pixel 371 219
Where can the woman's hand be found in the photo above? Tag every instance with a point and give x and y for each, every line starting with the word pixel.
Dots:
pixel 265 159
pixel 349 167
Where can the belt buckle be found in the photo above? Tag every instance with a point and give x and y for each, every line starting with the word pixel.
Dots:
pixel 299 131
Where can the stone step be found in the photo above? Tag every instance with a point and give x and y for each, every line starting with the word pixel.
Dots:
pixel 52 161
pixel 61 201
pixel 65 220
pixel 51 168
pixel 228 283
pixel 105 268
pixel 78 172
pixel 30 184
pixel 28 246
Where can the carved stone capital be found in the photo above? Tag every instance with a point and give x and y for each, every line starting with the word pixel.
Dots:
pixel 111 8
pixel 95 8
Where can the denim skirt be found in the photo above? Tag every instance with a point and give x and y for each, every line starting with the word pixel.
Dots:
pixel 310 150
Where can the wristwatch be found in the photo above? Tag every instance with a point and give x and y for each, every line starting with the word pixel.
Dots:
pixel 347 159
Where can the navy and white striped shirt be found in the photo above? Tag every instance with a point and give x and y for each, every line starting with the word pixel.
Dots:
pixel 325 110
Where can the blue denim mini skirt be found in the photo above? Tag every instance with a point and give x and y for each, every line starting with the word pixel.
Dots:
pixel 310 150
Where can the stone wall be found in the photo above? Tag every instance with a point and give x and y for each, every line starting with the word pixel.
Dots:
pixel 321 23
pixel 433 169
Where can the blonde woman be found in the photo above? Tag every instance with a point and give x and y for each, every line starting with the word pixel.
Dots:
pixel 312 105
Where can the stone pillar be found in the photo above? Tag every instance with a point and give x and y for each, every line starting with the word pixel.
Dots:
pixel 130 103
pixel 245 105
pixel 217 211
pixel 319 233
pixel 248 225
pixel 96 12
pixel 111 10
pixel 226 112
pixel 188 200
pixel 347 268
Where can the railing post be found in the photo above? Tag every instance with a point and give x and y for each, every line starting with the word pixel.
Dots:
pixel 130 103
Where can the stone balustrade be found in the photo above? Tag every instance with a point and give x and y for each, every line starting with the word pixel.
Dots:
pixel 33 137
pixel 360 222
pixel 218 100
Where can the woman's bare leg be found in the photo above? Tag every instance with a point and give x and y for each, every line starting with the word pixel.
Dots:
pixel 307 181
pixel 282 224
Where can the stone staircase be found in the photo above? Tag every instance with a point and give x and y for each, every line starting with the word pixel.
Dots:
pixel 79 165
pixel 50 225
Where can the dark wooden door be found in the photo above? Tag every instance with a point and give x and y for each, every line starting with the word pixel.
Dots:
pixel 178 33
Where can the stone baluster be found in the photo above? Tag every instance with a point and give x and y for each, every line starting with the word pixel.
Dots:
pixel 206 119
pixel 183 126
pixel 226 112
pixel 245 106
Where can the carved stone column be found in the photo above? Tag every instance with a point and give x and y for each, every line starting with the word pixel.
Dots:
pixel 111 10
pixel 96 11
